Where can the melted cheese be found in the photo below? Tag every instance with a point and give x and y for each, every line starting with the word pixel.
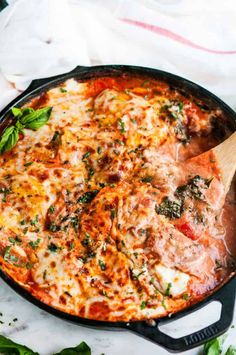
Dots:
pixel 171 280
pixel 79 217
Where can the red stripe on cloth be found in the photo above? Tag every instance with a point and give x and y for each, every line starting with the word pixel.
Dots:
pixel 167 33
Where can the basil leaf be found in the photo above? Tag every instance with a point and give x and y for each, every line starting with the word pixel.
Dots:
pixel 3 4
pixel 231 350
pixel 9 347
pixel 17 112
pixel 81 349
pixel 19 126
pixel 214 346
pixel 9 139
pixel 36 119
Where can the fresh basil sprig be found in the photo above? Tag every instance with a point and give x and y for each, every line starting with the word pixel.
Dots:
pixel 214 346
pixel 81 349
pixel 9 347
pixel 9 138
pixel 231 350
pixel 36 119
pixel 26 118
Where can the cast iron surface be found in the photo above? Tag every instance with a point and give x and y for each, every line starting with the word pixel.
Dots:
pixel 225 295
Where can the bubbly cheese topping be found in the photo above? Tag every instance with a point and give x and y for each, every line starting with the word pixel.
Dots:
pixel 93 221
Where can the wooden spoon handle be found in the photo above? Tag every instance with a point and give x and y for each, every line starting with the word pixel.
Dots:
pixel 226 157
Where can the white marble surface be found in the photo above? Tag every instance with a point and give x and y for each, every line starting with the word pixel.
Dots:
pixel 47 334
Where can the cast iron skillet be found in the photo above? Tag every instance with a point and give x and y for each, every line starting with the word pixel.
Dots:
pixel 225 295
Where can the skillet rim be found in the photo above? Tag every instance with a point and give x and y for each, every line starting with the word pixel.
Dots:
pixel 83 73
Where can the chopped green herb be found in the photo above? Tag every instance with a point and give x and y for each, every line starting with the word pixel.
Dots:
pixel 8 256
pixel 6 191
pixel 53 247
pixel 7 253
pixel 17 240
pixel 99 150
pixel 181 105
pixel 34 221
pixel 170 209
pixel 87 240
pixel 51 209
pixel 185 296
pixel 87 196
pixel 135 277
pixel 143 305
pixel 121 126
pixel 71 246
pixel 25 230
pixel 194 188
pixel 152 280
pixel 86 155
pixel 74 223
pixel 91 172
pixel 113 213
pixel 35 244
pixel 147 179
pixel 12 240
pixel 29 163
pixel 119 142
pixel 63 90
pixel 102 265
pixel 182 133
pixel 163 304
pixel 56 140
pixel 22 222
pixel 167 292
pixel 116 152
pixel 53 227
pixel 218 264
pixel 104 293
pixel 133 121
pixel 146 82
pixel 28 266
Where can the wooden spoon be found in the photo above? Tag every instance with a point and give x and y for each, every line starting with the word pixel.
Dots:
pixel 225 154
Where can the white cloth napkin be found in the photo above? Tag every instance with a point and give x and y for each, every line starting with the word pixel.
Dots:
pixel 194 39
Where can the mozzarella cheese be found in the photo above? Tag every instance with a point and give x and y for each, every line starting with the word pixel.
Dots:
pixel 80 196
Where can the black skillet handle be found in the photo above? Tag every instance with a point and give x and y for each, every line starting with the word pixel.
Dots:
pixel 35 84
pixel 226 296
